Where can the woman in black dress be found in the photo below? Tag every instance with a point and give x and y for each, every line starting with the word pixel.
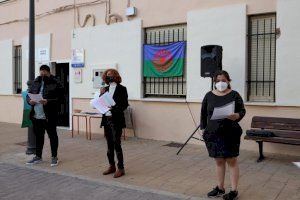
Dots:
pixel 222 136
pixel 114 121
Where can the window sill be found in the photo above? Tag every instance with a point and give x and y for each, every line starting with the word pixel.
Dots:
pixel 14 95
pixel 163 100
pixel 271 104
pixel 261 104
pixel 184 100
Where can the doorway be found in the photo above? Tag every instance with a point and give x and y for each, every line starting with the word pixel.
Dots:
pixel 62 74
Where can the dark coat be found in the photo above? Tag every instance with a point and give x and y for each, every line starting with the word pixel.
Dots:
pixel 121 98
pixel 52 93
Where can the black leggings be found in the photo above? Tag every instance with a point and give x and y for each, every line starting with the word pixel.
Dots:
pixel 113 138
pixel 39 127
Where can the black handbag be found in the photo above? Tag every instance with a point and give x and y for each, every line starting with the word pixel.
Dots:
pixel 260 133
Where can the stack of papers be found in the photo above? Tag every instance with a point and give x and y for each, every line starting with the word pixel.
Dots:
pixel 223 111
pixel 35 97
pixel 103 103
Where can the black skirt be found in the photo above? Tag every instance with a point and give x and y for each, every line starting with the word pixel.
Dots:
pixel 222 137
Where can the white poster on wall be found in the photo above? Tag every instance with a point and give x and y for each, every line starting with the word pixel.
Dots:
pixel 77 60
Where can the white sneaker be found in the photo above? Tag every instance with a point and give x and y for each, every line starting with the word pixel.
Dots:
pixel 54 161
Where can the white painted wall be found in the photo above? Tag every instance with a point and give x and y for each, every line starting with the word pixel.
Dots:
pixel 6 67
pixel 288 53
pixel 119 43
pixel 41 41
pixel 225 26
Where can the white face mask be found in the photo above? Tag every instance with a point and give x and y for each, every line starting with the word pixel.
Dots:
pixel 221 86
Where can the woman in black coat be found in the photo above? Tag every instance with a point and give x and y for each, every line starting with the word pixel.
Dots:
pixel 222 136
pixel 114 121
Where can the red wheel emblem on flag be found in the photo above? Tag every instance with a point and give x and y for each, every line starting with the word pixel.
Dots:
pixel 162 60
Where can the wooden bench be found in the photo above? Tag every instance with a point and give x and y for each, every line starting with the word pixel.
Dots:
pixel 285 131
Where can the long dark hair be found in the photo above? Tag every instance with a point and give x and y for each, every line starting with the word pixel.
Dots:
pixel 220 73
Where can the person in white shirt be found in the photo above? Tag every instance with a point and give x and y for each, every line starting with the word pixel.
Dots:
pixel 114 121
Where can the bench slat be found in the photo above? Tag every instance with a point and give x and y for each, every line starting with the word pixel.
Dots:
pixel 287 134
pixel 283 133
pixel 276 123
pixel 274 140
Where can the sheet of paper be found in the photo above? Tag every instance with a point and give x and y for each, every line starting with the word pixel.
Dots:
pixel 108 100
pixel 103 103
pixel 297 164
pixel 100 105
pixel 35 97
pixel 223 111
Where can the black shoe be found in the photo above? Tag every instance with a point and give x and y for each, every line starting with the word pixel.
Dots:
pixel 30 151
pixel 34 160
pixel 232 195
pixel 216 192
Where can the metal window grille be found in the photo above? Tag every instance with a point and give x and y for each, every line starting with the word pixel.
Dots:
pixel 17 69
pixel 174 87
pixel 261 58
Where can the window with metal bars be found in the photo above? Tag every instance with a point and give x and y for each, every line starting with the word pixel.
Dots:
pixel 173 87
pixel 261 58
pixel 17 69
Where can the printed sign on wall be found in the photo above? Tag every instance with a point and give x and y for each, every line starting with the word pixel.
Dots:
pixel 77 60
pixel 42 55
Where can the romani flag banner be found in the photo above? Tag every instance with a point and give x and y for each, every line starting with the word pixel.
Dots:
pixel 164 61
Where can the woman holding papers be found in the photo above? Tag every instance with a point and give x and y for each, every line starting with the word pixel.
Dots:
pixel 114 120
pixel 221 111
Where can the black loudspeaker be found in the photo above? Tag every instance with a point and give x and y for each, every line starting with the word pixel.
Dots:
pixel 211 60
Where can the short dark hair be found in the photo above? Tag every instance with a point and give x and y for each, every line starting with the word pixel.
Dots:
pixel 45 67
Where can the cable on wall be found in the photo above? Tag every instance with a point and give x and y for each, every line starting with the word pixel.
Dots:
pixel 87 17
pixel 57 10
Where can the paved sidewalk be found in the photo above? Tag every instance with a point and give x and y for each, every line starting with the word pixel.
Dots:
pixel 20 183
pixel 150 164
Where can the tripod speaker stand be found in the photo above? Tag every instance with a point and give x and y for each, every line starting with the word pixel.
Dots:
pixel 211 61
pixel 192 135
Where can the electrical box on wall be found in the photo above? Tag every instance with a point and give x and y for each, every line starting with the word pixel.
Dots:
pixel 98 70
pixel 131 11
pixel 97 78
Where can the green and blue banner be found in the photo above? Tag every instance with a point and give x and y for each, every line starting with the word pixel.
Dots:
pixel 164 61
